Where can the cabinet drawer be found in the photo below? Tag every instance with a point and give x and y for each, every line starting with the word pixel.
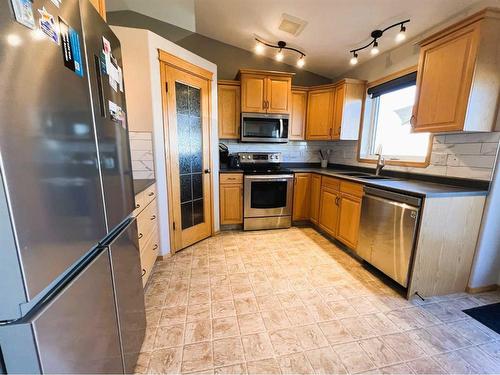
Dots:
pixel 351 188
pixel 231 178
pixel 147 222
pixel 149 194
pixel 330 182
pixel 149 253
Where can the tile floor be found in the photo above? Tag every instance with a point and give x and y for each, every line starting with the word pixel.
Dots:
pixel 290 301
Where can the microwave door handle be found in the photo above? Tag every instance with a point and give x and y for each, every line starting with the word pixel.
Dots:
pixel 281 128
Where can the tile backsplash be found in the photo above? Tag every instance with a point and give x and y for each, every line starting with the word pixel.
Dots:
pixel 141 148
pixel 467 155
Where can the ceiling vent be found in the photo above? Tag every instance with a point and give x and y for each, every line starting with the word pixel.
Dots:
pixel 291 25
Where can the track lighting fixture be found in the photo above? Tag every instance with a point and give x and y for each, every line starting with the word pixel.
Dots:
pixel 376 35
pixel 281 46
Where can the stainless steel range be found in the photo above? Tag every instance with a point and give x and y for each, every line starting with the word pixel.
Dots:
pixel 268 191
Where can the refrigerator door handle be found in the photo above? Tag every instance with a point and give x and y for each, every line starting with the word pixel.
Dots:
pixel 100 88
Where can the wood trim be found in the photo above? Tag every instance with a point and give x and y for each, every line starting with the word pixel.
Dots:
pixel 482 289
pixel 485 13
pixel 337 83
pixel 265 72
pixel 184 65
pixel 300 88
pixel 417 164
pixel 228 82
pixel 392 76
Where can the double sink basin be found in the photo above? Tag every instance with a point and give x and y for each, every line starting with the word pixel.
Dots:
pixel 364 176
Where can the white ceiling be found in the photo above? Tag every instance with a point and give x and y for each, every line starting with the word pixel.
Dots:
pixel 334 26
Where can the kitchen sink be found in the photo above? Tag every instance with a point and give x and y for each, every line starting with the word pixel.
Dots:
pixel 353 174
pixel 374 177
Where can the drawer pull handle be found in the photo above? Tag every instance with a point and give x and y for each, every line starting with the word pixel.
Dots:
pixel 153 217
pixel 155 247
pixel 141 235
pixel 143 272
pixel 137 205
pixel 151 194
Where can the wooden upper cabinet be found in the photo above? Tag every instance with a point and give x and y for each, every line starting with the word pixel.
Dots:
pixel 458 79
pixel 229 109
pixel 253 93
pixel 100 5
pixel 338 109
pixel 279 94
pixel 301 196
pixel 297 128
pixel 265 91
pixel 319 114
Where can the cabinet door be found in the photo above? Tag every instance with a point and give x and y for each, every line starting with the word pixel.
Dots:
pixel 329 210
pixel 297 128
pixel 445 72
pixel 350 214
pixel 301 196
pixel 253 93
pixel 278 94
pixel 315 197
pixel 229 111
pixel 231 204
pixel 338 110
pixel 319 115
pixel 100 5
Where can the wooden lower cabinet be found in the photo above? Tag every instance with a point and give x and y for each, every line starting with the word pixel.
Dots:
pixel 329 210
pixel 315 195
pixel 301 196
pixel 231 198
pixel 350 214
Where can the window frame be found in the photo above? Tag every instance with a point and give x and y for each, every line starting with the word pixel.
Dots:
pixel 370 113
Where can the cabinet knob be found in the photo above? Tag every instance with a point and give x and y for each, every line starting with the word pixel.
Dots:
pixel 143 272
pixel 140 235
pixel 153 217
pixel 155 247
pixel 137 205
pixel 151 194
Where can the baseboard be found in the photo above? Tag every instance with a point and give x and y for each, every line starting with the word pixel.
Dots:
pixel 482 289
pixel 230 227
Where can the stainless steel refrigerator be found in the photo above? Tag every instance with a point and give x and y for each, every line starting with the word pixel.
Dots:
pixel 71 297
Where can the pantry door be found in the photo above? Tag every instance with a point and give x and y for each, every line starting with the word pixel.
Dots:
pixel 186 107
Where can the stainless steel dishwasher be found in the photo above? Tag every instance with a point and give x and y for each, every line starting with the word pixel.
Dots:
pixel 389 223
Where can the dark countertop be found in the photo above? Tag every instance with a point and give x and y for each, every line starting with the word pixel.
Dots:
pixel 411 186
pixel 142 184
pixel 408 184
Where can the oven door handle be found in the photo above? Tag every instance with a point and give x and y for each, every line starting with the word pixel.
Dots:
pixel 268 178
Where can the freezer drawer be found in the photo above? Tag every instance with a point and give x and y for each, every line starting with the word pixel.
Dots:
pixel 77 332
pixel 387 234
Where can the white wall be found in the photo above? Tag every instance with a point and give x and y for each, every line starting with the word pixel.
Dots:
pixel 153 88
pixel 486 267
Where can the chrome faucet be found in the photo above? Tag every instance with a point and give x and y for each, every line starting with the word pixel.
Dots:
pixel 380 164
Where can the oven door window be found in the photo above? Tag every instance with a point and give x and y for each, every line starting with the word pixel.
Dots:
pixel 265 128
pixel 268 194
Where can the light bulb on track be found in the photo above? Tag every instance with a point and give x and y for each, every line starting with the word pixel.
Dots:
pixel 354 59
pixel 259 48
pixel 279 56
pixel 375 50
pixel 301 62
pixel 401 35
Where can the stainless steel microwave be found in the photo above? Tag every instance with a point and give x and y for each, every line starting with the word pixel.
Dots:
pixel 263 127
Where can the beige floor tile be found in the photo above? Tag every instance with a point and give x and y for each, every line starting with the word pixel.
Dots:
pixel 380 324
pixel 141 367
pixel 197 357
pixel 492 349
pixel 299 315
pixel 448 337
pixel 295 364
pixel 275 319
pixel 311 337
pixel 228 352
pixel 165 361
pixel 353 357
pixel 289 300
pixel 445 313
pixel 149 339
pixel 404 346
pixel 335 332
pixel 402 319
pixel 400 368
pixel 359 328
pixel 425 365
pixel 197 297
pixel 257 346
pixel 268 302
pixel 342 309
pixel 480 360
pixel 263 367
pixel 225 327
pixel 223 309
pixel 246 305
pixel 242 291
pixel 169 336
pixel 380 354
pixel 453 363
pixel 197 331
pixel 363 305
pixel 325 361
pixel 320 311
pixel 285 341
pixel 240 368
pixel 173 315
pixel 471 332
pixel 251 323
pixel 198 312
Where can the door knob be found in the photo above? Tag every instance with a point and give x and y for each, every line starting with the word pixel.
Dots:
pixel 207 171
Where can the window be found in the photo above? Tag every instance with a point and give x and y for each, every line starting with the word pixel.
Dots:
pixel 386 126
